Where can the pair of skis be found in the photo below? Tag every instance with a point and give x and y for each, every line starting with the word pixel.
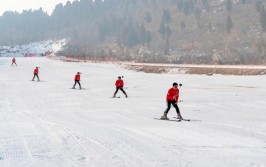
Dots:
pixel 78 88
pixel 175 119
pixel 118 97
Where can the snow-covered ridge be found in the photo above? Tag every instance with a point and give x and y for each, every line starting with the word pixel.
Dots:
pixel 32 49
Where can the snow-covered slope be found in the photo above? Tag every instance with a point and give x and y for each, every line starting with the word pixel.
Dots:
pixel 32 49
pixel 47 124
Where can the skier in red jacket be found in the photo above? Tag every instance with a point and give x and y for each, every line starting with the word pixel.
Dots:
pixel 119 85
pixel 13 61
pixel 77 79
pixel 36 73
pixel 172 99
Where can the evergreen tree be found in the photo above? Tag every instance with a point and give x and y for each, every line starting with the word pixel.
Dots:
pixel 263 18
pixel 162 30
pixel 186 8
pixel 258 5
pixel 168 32
pixel 205 3
pixel 166 17
pixel 229 6
pixel 147 17
pixel 180 5
pixel 183 26
pixel 148 38
pixel 229 24
pixel 191 5
pixel 197 14
pixel 166 48
pixel 142 34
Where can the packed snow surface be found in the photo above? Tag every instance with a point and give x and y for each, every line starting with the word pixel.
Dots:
pixel 47 124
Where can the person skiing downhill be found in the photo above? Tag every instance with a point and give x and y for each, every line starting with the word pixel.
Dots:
pixel 172 99
pixel 77 79
pixel 36 74
pixel 14 61
pixel 119 86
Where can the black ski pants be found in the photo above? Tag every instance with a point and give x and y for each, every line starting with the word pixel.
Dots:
pixel 76 81
pixel 36 75
pixel 120 88
pixel 169 103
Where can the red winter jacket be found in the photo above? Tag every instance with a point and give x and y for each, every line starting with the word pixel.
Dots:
pixel 173 94
pixel 36 71
pixel 119 83
pixel 77 77
pixel 13 60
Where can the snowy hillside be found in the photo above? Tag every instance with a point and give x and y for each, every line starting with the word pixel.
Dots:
pixel 47 124
pixel 32 49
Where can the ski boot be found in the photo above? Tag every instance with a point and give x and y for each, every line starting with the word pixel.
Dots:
pixel 164 117
pixel 179 116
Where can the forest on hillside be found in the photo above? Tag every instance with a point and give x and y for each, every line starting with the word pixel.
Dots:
pixel 158 31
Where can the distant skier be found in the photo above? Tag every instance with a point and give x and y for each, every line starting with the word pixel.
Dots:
pixel 36 74
pixel 77 79
pixel 119 85
pixel 14 61
pixel 172 99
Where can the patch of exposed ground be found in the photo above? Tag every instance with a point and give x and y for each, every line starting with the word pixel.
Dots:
pixel 195 70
